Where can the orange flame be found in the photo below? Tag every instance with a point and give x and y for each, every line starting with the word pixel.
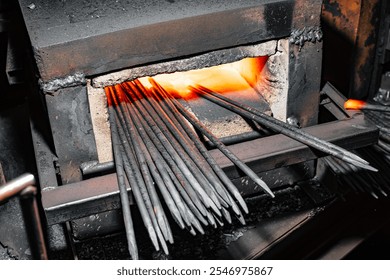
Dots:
pixel 354 104
pixel 236 76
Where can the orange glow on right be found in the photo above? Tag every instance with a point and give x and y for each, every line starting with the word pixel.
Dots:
pixel 354 104
pixel 236 76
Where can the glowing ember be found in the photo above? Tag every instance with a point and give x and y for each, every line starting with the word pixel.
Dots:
pixel 236 76
pixel 354 104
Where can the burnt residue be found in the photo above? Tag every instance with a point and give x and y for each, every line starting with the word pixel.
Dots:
pixel 306 34
pixel 69 81
pixel 278 17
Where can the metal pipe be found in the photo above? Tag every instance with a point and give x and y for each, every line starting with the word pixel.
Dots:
pixel 33 222
pixel 282 127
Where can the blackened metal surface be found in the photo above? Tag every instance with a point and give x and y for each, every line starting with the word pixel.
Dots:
pixel 72 131
pixel 100 224
pixel 265 235
pixel 98 36
pixel 81 199
pixel 305 67
pixel 358 215
pixel 204 60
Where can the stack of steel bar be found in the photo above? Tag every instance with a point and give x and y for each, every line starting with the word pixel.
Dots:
pixel 160 155
pixel 355 178
pixel 359 180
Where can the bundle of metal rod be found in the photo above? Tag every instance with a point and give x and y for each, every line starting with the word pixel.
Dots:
pixel 202 128
pixel 282 127
pixel 160 156
pixel 138 175
pixel 358 180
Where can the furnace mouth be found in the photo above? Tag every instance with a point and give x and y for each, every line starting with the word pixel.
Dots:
pixel 256 75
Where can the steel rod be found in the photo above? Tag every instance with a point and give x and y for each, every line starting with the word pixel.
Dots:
pixel 140 203
pixel 128 221
pixel 149 207
pixel 282 127
pixel 153 207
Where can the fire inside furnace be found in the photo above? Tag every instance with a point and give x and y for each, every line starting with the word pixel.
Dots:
pixel 237 76
pixel 239 80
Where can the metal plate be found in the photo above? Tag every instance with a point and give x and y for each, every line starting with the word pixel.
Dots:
pixel 94 37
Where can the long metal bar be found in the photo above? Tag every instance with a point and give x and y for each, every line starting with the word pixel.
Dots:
pixel 282 127
pixel 368 106
pixel 33 222
pixel 163 181
pixel 128 221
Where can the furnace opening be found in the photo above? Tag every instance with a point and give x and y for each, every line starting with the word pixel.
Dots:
pixel 255 75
